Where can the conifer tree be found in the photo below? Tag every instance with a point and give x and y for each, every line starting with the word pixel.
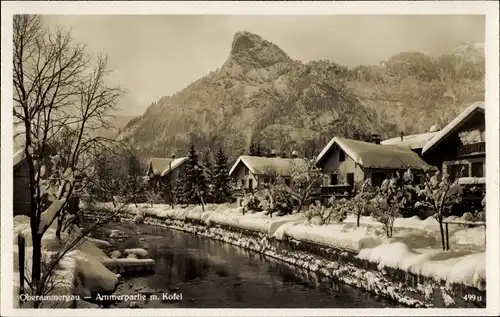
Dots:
pixel 253 151
pixel 208 175
pixel 221 178
pixel 194 185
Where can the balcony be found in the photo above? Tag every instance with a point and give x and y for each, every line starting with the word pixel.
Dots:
pixel 471 149
pixel 335 190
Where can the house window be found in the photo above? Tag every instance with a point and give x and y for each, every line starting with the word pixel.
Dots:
pixel 341 156
pixel 378 178
pixel 250 184
pixel 334 179
pixel 417 179
pixel 457 171
pixel 477 169
pixel 350 178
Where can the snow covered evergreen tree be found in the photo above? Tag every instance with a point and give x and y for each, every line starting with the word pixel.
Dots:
pixel 208 174
pixel 254 149
pixel 221 179
pixel 194 185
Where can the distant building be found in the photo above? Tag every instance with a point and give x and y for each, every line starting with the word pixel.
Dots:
pixel 350 162
pixel 253 172
pixel 166 169
pixel 460 147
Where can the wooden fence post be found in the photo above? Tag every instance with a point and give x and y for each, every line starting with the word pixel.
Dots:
pixel 447 237
pixel 21 248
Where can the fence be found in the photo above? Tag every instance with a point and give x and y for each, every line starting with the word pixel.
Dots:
pixel 460 222
pixel 21 242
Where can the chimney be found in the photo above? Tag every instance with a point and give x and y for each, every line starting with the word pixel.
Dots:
pixel 376 138
pixel 173 156
pixel 295 154
pixel 402 136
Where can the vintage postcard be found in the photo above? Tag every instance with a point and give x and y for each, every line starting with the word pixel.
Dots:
pixel 250 158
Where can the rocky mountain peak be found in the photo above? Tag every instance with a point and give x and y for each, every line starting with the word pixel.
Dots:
pixel 251 50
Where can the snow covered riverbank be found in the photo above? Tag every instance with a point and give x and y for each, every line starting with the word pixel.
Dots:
pixel 413 249
pixel 82 272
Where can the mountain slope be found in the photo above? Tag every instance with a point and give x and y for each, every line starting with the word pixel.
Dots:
pixel 261 93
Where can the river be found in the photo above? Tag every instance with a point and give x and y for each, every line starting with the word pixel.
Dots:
pixel 213 274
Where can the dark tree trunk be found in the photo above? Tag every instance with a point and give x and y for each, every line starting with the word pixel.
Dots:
pixel 440 220
pixel 37 261
pixel 301 203
pixel 60 221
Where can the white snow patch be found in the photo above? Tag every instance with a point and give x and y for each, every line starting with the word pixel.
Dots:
pixel 116 233
pixel 450 266
pixel 115 254
pixel 98 243
pixel 95 276
pixel 49 214
pixel 138 252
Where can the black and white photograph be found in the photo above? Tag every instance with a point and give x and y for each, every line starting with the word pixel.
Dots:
pixel 168 161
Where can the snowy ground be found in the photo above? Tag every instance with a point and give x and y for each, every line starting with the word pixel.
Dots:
pixel 415 246
pixel 82 270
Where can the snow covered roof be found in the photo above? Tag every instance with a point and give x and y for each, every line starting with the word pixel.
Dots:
pixel 414 141
pixel 161 166
pixel 453 125
pixel 373 155
pixel 264 165
pixel 18 146
pixel 18 157
pixel 175 164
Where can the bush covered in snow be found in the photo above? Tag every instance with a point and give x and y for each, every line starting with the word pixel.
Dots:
pixel 324 214
pixel 393 196
pixel 252 202
pixel 281 202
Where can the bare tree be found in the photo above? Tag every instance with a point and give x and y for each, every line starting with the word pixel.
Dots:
pixel 305 178
pixel 439 194
pixel 58 95
pixel 360 202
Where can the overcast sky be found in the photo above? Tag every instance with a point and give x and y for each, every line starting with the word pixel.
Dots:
pixel 155 56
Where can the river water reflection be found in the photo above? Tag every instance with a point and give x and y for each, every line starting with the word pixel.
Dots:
pixel 213 274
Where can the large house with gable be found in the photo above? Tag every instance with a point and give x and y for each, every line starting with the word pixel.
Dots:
pixel 348 163
pixel 459 149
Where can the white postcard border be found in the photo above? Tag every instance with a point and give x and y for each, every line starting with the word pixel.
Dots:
pixel 488 8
